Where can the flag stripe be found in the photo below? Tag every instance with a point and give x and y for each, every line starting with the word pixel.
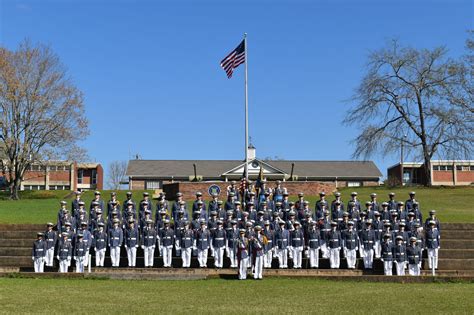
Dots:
pixel 234 59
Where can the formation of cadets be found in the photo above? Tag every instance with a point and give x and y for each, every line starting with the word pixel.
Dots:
pixel 249 229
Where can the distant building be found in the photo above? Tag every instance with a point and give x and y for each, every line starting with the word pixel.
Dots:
pixel 443 172
pixel 155 174
pixel 62 175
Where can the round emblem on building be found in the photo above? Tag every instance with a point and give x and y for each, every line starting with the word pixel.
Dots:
pixel 214 189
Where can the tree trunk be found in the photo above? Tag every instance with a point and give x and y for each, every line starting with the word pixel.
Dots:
pixel 14 189
pixel 427 169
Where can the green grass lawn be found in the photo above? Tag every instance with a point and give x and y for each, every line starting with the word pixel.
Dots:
pixel 452 204
pixel 270 296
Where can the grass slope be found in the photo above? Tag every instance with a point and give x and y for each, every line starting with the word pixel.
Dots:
pixel 452 204
pixel 270 296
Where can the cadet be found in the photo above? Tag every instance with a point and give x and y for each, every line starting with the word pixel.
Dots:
pixel 367 239
pixel 313 245
pixel 432 217
pixel 129 199
pixel 115 238
pixel 337 200
pixel 146 201
pixel 377 225
pixel 113 203
pixel 149 243
pixel 129 211
pixel 278 192
pixel 268 248
pixel 177 205
pixel 75 202
pixel 218 245
pixel 355 201
pixel 242 254
pixel 99 243
pixel 233 191
pixel 322 201
pixel 230 203
pixel 131 242
pixel 258 244
pixel 198 199
pixel 186 240
pixel 98 220
pixel 64 253
pixel 325 228
pixel 334 244
pixel 387 254
pixel 232 235
pixel 410 201
pixel 399 253
pixel 93 211
pixel 402 233
pixel 337 211
pixel 166 243
pixel 297 245
pixel 162 202
pixel 202 243
pixel 38 252
pixel 282 241
pixel 414 258
pixel 432 244
pixel 350 242
pixel 374 203
pixel 80 249
pixel 98 200
pixel 391 203
pixel 51 238
pixel 87 238
pixel 385 214
pixel 212 206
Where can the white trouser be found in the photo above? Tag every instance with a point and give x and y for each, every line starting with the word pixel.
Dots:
pixel 233 258
pixel 243 268
pixel 132 256
pixel 149 253
pixel 351 256
pixel 249 261
pixel 313 257
pixel 334 257
pixel 63 265
pixel 99 257
pixel 167 255
pixel 297 255
pixel 377 249
pixel 400 267
pixel 324 249
pixel 258 268
pixel 186 257
pixel 267 261
pixel 115 256
pixel 387 267
pixel 39 264
pixel 433 255
pixel 413 269
pixel 282 258
pixel 202 257
pixel 368 258
pixel 80 264
pixel 49 257
pixel 86 258
pixel 218 257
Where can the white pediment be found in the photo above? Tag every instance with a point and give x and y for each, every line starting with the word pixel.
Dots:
pixel 253 169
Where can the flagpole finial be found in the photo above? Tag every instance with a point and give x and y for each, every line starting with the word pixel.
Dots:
pixel 245 34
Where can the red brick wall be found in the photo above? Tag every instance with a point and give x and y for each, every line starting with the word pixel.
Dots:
pixel 34 176
pixel 59 176
pixel 465 176
pixel 100 177
pixel 189 189
pixel 443 176
pixel 137 184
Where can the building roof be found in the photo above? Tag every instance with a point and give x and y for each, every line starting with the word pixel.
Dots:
pixel 215 168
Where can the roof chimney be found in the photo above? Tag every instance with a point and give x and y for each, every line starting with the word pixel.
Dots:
pixel 251 152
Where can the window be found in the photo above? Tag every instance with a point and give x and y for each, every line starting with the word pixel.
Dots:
pixel 94 177
pixel 53 168
pixel 449 167
pixel 80 176
pixel 59 187
pixel 152 184
pixel 34 187
pixel 406 177
pixel 353 184
pixel 472 167
pixel 436 168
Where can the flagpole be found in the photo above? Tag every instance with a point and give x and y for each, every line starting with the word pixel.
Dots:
pixel 246 114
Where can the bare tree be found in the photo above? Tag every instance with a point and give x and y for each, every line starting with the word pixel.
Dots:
pixel 116 173
pixel 417 97
pixel 41 111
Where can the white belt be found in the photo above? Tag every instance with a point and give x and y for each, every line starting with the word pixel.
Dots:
pixel 40 249
pixel 133 238
pixel 50 239
pixel 219 238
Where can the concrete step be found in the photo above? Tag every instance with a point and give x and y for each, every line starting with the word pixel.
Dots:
pixel 457 226
pixel 452 264
pixel 17 234
pixel 15 251
pixel 455 253
pixel 23 227
pixel 457 244
pixel 17 243
pixel 457 235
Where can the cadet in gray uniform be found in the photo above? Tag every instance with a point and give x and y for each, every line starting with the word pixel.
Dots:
pixel 80 249
pixel 269 246
pixel 367 239
pixel 242 254
pixel 51 239
pixel 432 244
pixel 314 235
pixel 218 244
pixel 99 243
pixel 131 242
pixel 149 243
pixel 186 240
pixel 282 238
pixel 115 238
pixel 258 244
pixel 399 254
pixel 64 253
pixel 350 243
pixel 387 254
pixel 167 242
pixel 297 245
pixel 203 242
pixel 414 257
pixel 231 239
pixel 334 244
pixel 38 253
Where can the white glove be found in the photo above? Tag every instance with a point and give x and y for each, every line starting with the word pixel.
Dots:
pixel 143 246
pixel 32 258
pixel 57 257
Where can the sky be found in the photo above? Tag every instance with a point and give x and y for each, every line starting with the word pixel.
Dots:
pixel 153 86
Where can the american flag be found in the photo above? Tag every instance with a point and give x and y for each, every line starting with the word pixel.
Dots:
pixel 234 59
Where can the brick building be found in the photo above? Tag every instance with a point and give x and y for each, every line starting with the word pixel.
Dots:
pixel 62 175
pixel 443 172
pixel 193 175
